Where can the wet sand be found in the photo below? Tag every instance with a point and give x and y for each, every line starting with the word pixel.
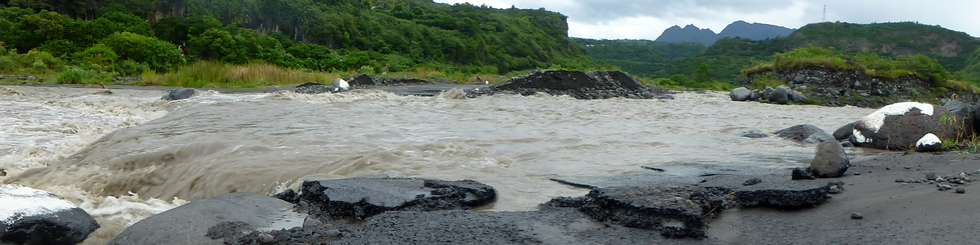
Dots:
pixel 893 213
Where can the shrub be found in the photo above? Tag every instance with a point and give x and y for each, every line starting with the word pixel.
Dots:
pixel 811 57
pixel 76 75
pixel 157 54
pixel 130 68
pixel 218 44
pixel 7 64
pixel 41 60
pixel 98 57
pixel 60 48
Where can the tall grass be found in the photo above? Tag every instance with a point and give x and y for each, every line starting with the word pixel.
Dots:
pixel 208 74
pixel 873 65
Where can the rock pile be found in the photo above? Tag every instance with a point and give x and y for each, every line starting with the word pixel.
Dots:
pixel 340 85
pixel 840 88
pixel 365 210
pixel 580 85
pixel 360 198
pixel 364 80
pixel 684 209
pixel 944 183
pixel 179 94
pixel 779 95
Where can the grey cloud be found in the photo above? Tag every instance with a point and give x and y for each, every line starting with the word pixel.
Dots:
pixel 954 14
pixel 598 10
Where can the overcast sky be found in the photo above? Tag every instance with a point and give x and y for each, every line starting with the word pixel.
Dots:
pixel 646 19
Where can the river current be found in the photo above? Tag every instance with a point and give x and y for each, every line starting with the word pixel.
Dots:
pixel 127 155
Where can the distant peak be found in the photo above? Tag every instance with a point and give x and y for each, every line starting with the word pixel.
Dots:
pixel 740 22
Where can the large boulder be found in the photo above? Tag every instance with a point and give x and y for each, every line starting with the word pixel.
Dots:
pixel 830 161
pixel 340 85
pixel 312 88
pixel 365 197
pixel 674 211
pixel 581 85
pixel 684 209
pixel 779 95
pixel 796 97
pixel 30 216
pixel 805 133
pixel 179 94
pixel 741 94
pixel 214 221
pixel 844 132
pixel 929 143
pixel 900 126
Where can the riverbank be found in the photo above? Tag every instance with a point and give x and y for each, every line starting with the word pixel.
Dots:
pixel 893 212
pixel 514 143
pixel 869 207
pixel 447 138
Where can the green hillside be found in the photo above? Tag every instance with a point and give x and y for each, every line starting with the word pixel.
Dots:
pixel 640 57
pixel 372 36
pixel 725 60
pixel 951 48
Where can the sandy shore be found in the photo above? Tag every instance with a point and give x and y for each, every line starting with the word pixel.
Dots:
pixel 893 213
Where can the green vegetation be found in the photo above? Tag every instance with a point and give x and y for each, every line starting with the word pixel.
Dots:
pixel 950 48
pixel 640 57
pixel 130 37
pixel 918 66
pixel 888 50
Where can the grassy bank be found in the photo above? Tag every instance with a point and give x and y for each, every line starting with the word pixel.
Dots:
pixel 873 65
pixel 210 74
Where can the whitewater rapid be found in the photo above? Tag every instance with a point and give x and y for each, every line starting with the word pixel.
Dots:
pixel 127 155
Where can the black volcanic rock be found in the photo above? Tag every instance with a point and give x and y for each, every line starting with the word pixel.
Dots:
pixel 365 80
pixel 30 216
pixel 805 133
pixel 365 197
pixel 754 31
pixel 210 221
pixel 684 208
pixel 581 85
pixel 688 34
pixel 179 94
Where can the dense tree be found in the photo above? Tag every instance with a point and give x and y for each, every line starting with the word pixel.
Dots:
pixel 98 57
pixel 372 32
pixel 156 54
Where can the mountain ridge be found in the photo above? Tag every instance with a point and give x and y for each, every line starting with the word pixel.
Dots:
pixel 738 29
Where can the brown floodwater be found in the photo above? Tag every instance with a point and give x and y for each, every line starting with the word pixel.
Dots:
pixel 128 151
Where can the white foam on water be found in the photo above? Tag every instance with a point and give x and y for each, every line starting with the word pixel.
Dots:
pixel 216 143
pixel 41 125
